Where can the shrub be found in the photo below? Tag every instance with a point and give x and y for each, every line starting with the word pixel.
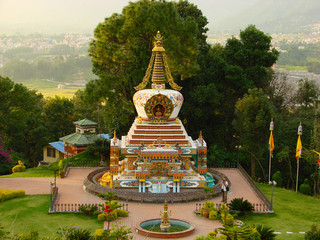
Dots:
pixel 213 215
pixel 224 209
pixel 305 188
pixel 122 213
pixel 227 219
pixel 109 195
pixel 212 234
pixel 266 233
pixel 113 204
pixel 33 235
pixel 88 210
pixel 19 168
pixel 98 233
pixel 209 191
pixel 102 217
pixel 242 207
pixel 313 234
pixel 9 194
pixel 75 233
pixel 277 176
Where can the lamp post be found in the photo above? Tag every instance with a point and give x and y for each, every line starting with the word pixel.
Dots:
pixel 273 183
pixel 270 146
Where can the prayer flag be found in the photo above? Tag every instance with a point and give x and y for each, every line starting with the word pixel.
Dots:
pixel 271 142
pixel 318 157
pixel 299 148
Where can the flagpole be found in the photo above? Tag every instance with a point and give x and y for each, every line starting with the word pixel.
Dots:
pixel 298 153
pixel 297 175
pixel 270 148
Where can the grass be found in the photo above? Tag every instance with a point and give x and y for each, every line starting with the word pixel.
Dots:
pixel 294 212
pixel 31 212
pixel 50 89
pixel 31 172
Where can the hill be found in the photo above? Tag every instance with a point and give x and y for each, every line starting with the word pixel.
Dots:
pixel 275 16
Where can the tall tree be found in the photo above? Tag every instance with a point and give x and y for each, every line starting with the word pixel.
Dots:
pixel 21 123
pixel 253 114
pixel 58 113
pixel 122 46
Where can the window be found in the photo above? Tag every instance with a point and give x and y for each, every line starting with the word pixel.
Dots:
pixel 51 152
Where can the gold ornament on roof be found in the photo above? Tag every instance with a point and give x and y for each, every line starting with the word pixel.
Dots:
pixel 159 62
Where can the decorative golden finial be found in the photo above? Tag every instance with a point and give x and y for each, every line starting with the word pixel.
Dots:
pixel 158 60
pixel 114 135
pixel 200 136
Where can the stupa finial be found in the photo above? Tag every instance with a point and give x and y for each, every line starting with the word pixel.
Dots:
pixel 159 63
pixel 114 135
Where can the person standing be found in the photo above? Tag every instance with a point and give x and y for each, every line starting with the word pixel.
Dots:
pixel 224 189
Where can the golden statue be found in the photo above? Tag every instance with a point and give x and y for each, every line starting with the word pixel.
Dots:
pixel 106 180
pixel 165 222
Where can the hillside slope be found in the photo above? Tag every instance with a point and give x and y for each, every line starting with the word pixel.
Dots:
pixel 275 16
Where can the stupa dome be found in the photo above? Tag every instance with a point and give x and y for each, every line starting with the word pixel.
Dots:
pixel 158 103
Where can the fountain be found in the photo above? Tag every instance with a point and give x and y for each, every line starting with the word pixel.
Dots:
pixel 164 227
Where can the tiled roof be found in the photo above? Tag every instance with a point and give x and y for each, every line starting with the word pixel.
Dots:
pixel 78 139
pixel 85 122
pixel 58 145
pixel 105 136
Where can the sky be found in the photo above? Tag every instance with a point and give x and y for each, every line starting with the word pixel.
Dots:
pixel 82 16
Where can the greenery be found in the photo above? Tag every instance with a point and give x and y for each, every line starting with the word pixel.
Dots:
pixel 294 212
pixel 305 187
pixel 31 213
pixel 19 168
pixel 313 233
pixel 266 233
pixel 42 171
pixel 73 232
pixel 88 210
pixel 241 206
pixel 9 194
pixel 277 177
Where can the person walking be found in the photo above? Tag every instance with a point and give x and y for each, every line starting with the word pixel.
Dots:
pixel 224 189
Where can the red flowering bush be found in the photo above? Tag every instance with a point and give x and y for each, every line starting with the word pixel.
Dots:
pixel 5 159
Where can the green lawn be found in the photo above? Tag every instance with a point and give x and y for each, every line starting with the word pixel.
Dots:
pixel 31 212
pixel 31 172
pixel 50 89
pixel 294 212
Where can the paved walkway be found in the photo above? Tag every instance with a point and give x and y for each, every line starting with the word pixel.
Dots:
pixel 71 191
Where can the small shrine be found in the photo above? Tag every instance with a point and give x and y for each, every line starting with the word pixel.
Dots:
pixel 84 136
pixel 159 156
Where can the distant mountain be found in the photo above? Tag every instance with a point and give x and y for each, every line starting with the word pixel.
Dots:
pixel 274 16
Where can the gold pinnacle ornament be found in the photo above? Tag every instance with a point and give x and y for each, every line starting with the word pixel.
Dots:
pixel 159 63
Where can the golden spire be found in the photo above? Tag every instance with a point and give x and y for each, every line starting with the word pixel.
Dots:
pixel 200 136
pixel 159 63
pixel 114 135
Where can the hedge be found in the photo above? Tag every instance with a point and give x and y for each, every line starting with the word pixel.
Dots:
pixel 9 194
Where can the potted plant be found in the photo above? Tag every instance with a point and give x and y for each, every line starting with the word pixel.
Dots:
pixel 207 207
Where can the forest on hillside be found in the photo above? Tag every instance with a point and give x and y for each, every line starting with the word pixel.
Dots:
pixel 231 93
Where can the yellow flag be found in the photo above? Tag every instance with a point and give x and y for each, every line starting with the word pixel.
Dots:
pixel 271 142
pixel 299 148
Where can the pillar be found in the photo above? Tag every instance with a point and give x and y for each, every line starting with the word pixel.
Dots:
pixel 139 186
pixel 174 187
pixel 178 186
pixel 144 187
